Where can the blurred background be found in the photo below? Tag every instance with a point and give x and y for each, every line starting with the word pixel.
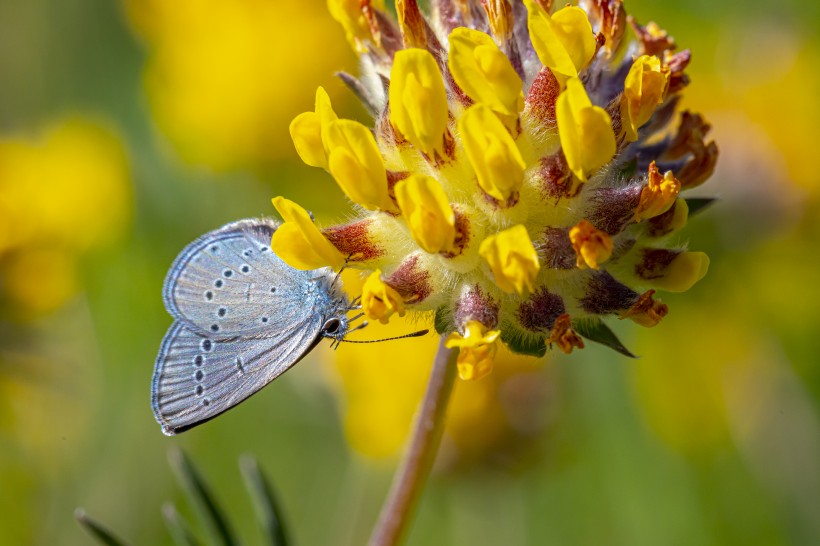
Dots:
pixel 129 128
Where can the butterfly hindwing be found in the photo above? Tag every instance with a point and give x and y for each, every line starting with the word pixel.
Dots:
pixel 197 376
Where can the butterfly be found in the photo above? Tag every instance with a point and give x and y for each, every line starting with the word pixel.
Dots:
pixel 242 317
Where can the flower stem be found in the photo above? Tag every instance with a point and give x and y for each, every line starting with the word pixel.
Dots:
pixel 421 452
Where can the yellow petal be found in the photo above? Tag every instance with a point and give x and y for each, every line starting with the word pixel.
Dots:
pixel 477 349
pixel 684 271
pixel 644 88
pixel 492 152
pixel 564 336
pixel 418 100
pixel 427 211
pixel 563 41
pixel 658 195
pixel 585 130
pixel 357 165
pixel 512 259
pixel 351 16
pixel 592 246
pixel 299 243
pixel 308 131
pixel 485 73
pixel 379 300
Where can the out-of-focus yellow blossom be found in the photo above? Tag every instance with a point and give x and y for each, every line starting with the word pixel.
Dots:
pixel 485 73
pixel 418 101
pixel 512 259
pixel 592 246
pixel 356 164
pixel 379 300
pixel 563 41
pixel 62 194
pixel 493 154
pixel 658 195
pixel 308 131
pixel 644 89
pixel 529 213
pixel 585 130
pixel 223 79
pixel 476 350
pixel 299 242
pixel 427 211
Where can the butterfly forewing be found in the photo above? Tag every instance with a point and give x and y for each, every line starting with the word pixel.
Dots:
pixel 228 282
pixel 197 376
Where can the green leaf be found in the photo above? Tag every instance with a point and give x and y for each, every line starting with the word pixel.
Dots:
pixel 524 345
pixel 442 321
pixel 699 204
pixel 595 330
pixel 267 509
pixel 96 530
pixel 180 530
pixel 201 496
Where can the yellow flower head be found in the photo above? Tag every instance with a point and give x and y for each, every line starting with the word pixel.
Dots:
pixel 379 300
pixel 427 211
pixel 592 246
pixel 299 242
pixel 644 89
pixel 512 259
pixel 418 100
pixel 523 219
pixel 476 350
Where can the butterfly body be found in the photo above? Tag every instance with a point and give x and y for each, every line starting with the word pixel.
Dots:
pixel 242 318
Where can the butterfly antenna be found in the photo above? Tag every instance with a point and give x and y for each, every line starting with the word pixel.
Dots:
pixel 339 274
pixel 413 334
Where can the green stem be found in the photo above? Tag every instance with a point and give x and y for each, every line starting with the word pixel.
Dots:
pixel 411 475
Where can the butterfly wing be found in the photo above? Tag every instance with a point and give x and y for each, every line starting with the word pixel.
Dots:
pixel 228 282
pixel 197 376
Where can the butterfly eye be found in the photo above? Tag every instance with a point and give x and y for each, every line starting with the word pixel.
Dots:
pixel 331 326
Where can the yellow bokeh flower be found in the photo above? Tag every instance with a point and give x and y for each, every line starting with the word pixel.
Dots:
pixel 493 154
pixel 476 350
pixel 380 301
pixel 356 21
pixel 299 242
pixel 62 195
pixel 418 101
pixel 224 78
pixel 427 211
pixel 512 259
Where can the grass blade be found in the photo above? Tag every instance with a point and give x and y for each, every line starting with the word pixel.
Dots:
pixel 96 530
pixel 178 528
pixel 201 496
pixel 264 501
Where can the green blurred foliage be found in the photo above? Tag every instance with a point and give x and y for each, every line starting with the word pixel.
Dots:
pixel 712 437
